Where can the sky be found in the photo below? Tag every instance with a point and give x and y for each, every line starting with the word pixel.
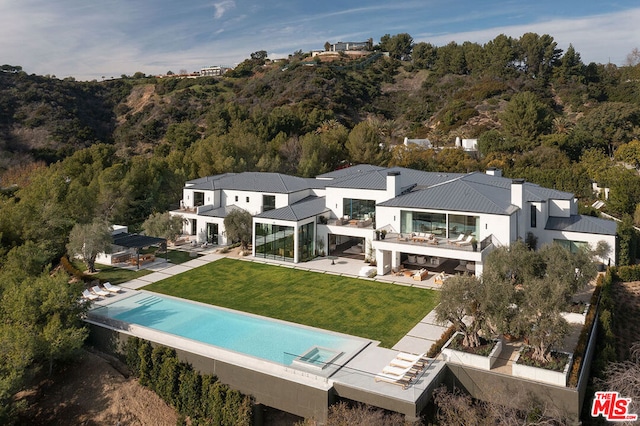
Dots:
pixel 89 39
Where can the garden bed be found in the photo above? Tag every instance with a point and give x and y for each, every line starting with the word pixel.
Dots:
pixel 555 372
pixel 482 357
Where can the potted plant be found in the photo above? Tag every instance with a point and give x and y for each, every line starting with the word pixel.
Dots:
pixel 383 234
pixel 377 234
pixel 474 244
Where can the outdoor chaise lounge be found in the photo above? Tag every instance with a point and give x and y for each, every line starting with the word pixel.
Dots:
pixel 87 295
pixel 403 363
pixel 111 288
pixel 465 242
pixel 411 357
pixel 100 292
pixel 391 370
pixel 457 240
pixel 404 381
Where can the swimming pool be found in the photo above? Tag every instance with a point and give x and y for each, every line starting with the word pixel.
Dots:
pixel 272 340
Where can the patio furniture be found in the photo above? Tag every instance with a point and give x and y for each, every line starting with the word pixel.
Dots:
pixel 89 296
pixel 100 292
pixel 421 275
pixel 453 241
pixel 404 381
pixel 111 288
pixel 440 278
pixel 465 242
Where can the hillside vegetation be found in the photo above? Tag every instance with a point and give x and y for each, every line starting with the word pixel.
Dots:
pixel 119 150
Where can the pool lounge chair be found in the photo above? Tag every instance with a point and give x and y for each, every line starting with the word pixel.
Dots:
pixel 111 288
pixel 100 292
pixel 411 357
pixel 390 370
pixel 87 295
pixel 404 381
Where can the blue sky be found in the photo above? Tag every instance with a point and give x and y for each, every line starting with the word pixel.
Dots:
pixel 88 39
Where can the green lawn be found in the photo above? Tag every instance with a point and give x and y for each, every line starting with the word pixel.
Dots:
pixel 377 311
pixel 118 275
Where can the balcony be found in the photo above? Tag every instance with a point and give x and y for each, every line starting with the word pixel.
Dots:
pixel 436 242
pixel 353 223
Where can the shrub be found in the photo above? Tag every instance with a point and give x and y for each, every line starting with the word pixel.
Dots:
pixel 628 273
pixel 200 398
pixel 72 270
pixel 437 346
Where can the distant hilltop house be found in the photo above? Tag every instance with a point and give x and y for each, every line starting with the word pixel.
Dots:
pixel 470 145
pixel 213 71
pixel 424 143
pixel 354 49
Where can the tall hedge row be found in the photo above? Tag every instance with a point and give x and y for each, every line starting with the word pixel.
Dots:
pixel 201 398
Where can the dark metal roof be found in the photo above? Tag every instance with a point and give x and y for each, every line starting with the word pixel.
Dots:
pixel 257 182
pixel 582 223
pixel 303 209
pixel 220 211
pixel 124 239
pixel 350 171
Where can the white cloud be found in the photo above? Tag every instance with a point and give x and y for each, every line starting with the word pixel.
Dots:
pixel 222 7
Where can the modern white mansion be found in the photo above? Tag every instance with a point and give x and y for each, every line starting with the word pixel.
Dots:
pixel 428 217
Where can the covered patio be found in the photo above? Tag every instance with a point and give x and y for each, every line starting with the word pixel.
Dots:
pixel 131 244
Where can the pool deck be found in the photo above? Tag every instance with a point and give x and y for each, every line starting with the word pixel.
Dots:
pixel 355 379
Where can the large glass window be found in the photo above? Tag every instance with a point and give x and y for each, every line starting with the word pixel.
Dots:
pixel 573 246
pixel 268 202
pixel 359 209
pixel 534 215
pixel 212 233
pixel 306 241
pixel 274 241
pixel 435 223
pixel 461 224
pixel 440 224
pixel 198 198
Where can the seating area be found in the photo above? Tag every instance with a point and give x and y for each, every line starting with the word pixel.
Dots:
pixel 420 275
pixel 440 278
pixel 403 369
pixel 422 237
pixel 111 288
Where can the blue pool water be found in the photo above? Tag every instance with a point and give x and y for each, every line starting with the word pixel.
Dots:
pixel 260 337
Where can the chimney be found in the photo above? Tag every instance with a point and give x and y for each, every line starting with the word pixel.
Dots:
pixel 492 171
pixel 393 184
pixel 517 192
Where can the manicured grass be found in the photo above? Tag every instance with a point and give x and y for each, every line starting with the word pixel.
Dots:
pixel 378 311
pixel 177 257
pixel 118 275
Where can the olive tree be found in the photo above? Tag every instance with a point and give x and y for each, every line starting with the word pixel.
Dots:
pixel 87 240
pixel 238 225
pixel 163 225
pixel 463 296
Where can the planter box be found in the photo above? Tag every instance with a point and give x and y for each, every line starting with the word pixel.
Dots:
pixel 472 360
pixel 558 378
pixel 575 318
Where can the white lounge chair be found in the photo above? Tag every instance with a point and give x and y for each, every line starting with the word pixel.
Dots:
pixel 465 242
pixel 397 371
pixel 411 357
pixel 457 240
pixel 404 381
pixel 100 292
pixel 87 295
pixel 111 288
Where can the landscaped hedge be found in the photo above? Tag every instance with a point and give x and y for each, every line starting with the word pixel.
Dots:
pixel 72 270
pixel 437 346
pixel 201 398
pixel 581 347
pixel 628 273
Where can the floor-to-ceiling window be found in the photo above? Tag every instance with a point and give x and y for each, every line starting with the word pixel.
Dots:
pixel 440 224
pixel 359 209
pixel 573 246
pixel 274 241
pixel 462 224
pixel 306 241
pixel 435 223
pixel 212 233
